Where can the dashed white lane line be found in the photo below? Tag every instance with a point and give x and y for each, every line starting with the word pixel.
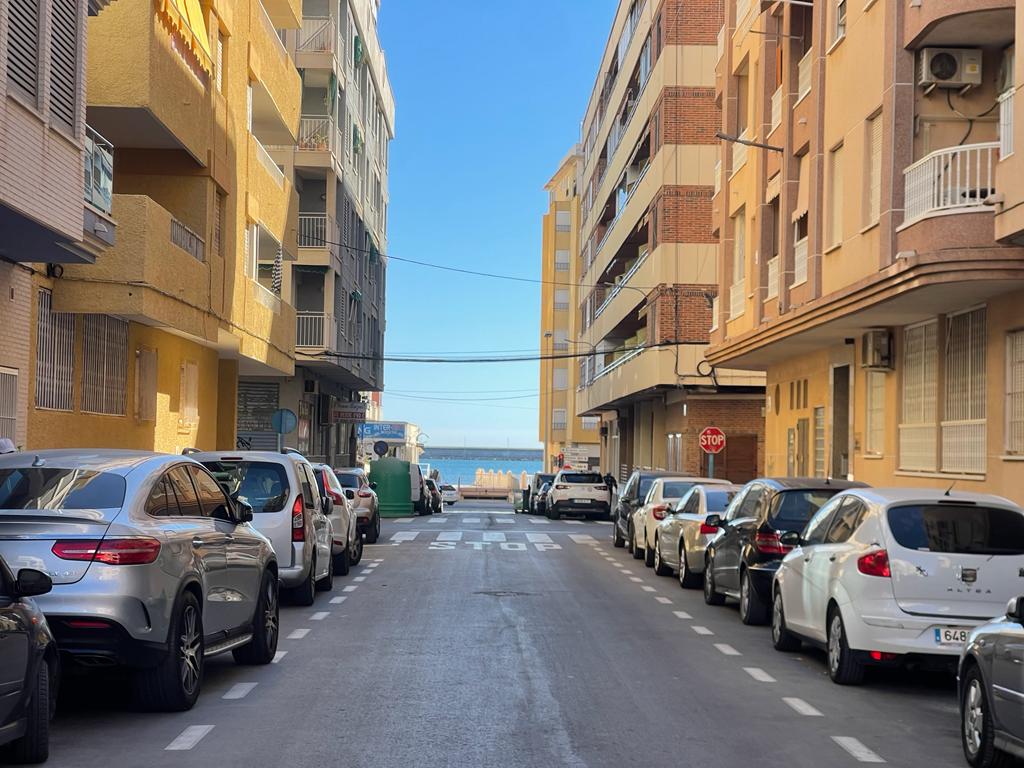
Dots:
pixel 402 520
pixel 373 564
pixel 436 519
pixel 681 615
pixel 471 519
pixel 857 749
pixel 625 571
pixel 603 522
pixel 405 536
pixel 506 520
pixel 538 538
pixel 350 588
pixel 494 536
pixel 189 738
pixel 338 600
pixel 582 538
pixel 727 649
pixel 298 634
pixel 801 707
pixel 648 589
pixel 539 521
pixel 319 615
pixel 664 600
pixel 702 630
pixel 239 691
pixel 278 656
pixel 759 674
pixel 358 578
pixel 378 560
pixel 449 536
pixel 637 579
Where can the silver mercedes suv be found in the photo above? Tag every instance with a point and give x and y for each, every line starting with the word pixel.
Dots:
pixel 154 567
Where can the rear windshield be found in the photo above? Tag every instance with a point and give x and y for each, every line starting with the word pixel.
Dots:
pixel 55 489
pixel 348 479
pixel 675 490
pixel 792 509
pixel 447 487
pixel 956 528
pixel 717 501
pixel 581 477
pixel 262 485
pixel 645 485
pixel 541 479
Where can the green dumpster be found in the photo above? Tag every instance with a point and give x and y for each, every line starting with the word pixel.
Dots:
pixel 394 487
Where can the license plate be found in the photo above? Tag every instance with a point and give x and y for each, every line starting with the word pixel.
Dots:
pixel 951 635
pixel 583 501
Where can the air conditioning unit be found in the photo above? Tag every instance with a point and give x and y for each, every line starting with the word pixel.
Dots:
pixel 876 350
pixel 950 67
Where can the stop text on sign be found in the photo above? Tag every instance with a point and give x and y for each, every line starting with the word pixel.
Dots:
pixel 712 440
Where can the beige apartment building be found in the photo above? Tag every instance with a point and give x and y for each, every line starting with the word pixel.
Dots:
pixel 870 259
pixel 648 253
pixel 561 430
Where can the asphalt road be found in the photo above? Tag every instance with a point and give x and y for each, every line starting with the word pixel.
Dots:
pixel 483 638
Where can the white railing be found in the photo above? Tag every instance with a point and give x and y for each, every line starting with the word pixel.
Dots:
pixel 718 176
pixel 187 240
pixel 312 329
pixel 773 278
pixel 318 34
pixel 737 298
pixel 99 170
pixel 721 43
pixel 621 361
pixel 951 178
pixel 777 108
pixel 316 133
pixel 621 284
pixel 917 447
pixel 803 71
pixel 714 313
pixel 312 230
pixel 800 262
pixel 1006 124
pixel 739 151
pixel 268 162
pixel 963 446
pixel 621 207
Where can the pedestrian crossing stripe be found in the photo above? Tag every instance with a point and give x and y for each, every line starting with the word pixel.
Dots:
pixel 480 540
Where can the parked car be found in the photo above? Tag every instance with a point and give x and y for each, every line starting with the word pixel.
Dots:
pixel 739 561
pixel 418 491
pixel 891 575
pixel 449 494
pixel 367 509
pixel 682 537
pixel 536 482
pixel 541 504
pixel 663 495
pixel 137 546
pixel 347 542
pixel 582 493
pixel 288 509
pixel 631 497
pixel 29 666
pixel 436 503
pixel 991 688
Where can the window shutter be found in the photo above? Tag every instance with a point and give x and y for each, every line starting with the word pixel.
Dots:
pixel 560 379
pixel 23 46
pixel 875 169
pixel 9 403
pixel 835 205
pixel 64 62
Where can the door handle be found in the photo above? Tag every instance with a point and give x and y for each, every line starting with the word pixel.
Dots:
pixel 832 559
pixel 198 542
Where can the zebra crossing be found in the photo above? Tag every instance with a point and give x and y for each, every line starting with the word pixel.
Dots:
pixel 509 541
pixel 498 519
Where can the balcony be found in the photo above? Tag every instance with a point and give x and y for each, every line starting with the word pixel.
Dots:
pixel 318 34
pixel 737 299
pixel 772 289
pixel 1006 124
pixel 803 70
pixel 638 371
pixel 739 151
pixel 190 242
pixel 776 108
pixel 99 171
pixel 951 180
pixel 277 87
pixel 622 282
pixel 272 199
pixel 313 229
pixel 315 330
pixel 800 262
pixel 285 14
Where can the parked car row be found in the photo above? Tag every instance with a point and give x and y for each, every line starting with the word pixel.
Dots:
pixel 875 577
pixel 153 563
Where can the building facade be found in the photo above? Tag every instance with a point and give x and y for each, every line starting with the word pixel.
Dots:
pixel 870 259
pixel 144 348
pixel 647 252
pixel 561 430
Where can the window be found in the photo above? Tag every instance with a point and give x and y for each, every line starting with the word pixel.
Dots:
pixel 1015 392
pixel 162 502
pixel 561 298
pixel 218 223
pixel 918 398
pixel 104 365
pixel 963 425
pixel 219 62
pixel 873 187
pixel 55 489
pixel 145 384
pixel 591 422
pixel 188 501
pixel 846 522
pixel 211 496
pixel 739 235
pixel 819 441
pixel 8 403
pixel 839 28
pixel 874 441
pixel 560 340
pixel 561 261
pixel 816 529
pixel 262 485
pixel 558 418
pixel 189 405
pixel 64 47
pixel 23 26
pixel 835 196
pixel 560 379
pixel 563 221
pixel 958 529
pixel 55 356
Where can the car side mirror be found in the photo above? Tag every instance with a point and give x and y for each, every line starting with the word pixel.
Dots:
pixel 373 486
pixel 243 512
pixel 327 505
pixel 714 520
pixel 790 539
pixel 31 583
pixel 350 494
pixel 1014 609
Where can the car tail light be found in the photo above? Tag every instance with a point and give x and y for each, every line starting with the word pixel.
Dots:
pixel 364 494
pixel 875 564
pixel 128 551
pixel 336 497
pixel 601 487
pixel 768 543
pixel 298 520
pixel 87 624
pixel 882 656
pixel 707 530
pixel 561 487
pixel 659 511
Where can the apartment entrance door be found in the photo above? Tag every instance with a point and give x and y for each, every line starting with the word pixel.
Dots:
pixel 841 417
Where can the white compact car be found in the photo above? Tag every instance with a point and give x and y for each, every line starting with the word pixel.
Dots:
pixel 882 575
pixel 665 492
pixel 580 493
pixel 449 493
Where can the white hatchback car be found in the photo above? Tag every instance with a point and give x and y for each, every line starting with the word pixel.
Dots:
pixel 576 492
pixel 665 492
pixel 882 575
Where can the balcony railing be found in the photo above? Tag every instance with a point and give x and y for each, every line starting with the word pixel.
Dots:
pixel 313 228
pixel 773 278
pixel 268 162
pixel 714 313
pixel 803 71
pixel 317 133
pixel 952 178
pixel 620 362
pixel 1006 124
pixel 800 262
pixel 187 240
pixel 99 171
pixel 622 283
pixel 718 176
pixel 739 151
pixel 737 298
pixel 318 34
pixel 621 206
pixel 777 108
pixel 313 329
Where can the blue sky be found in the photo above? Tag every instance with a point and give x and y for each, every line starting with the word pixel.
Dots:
pixel 489 99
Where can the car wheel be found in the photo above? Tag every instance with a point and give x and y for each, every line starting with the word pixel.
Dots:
pixel 843 667
pixel 648 553
pixel 660 568
pixel 326 584
pixel 173 685
pixel 553 513
pixel 782 639
pixel 34 745
pixel 753 611
pixel 373 532
pixel 617 541
pixel 711 595
pixel 263 646
pixel 976 731
pixel 343 561
pixel 356 550
pixel 305 593
pixel 687 578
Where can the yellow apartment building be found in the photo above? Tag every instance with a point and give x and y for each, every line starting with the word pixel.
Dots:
pixel 562 432
pixel 144 348
pixel 648 253
pixel 870 255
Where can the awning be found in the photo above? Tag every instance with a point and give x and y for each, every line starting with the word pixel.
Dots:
pixel 773 188
pixel 803 190
pixel 185 17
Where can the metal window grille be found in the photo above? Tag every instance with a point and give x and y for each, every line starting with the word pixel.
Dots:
pixel 189 407
pixel 561 299
pixel 963 425
pixel 104 365
pixel 55 356
pixel 561 261
pixel 560 379
pixel 218 224
pixel 558 417
pixel 563 221
pixel 918 441
pixel 64 62
pixel 1015 392
pixel 145 384
pixel 819 441
pixel 23 23
pixel 875 406
pixel 8 403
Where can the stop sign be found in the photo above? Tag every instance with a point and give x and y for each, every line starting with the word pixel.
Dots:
pixel 712 440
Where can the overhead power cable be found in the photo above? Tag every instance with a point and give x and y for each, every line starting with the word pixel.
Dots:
pixel 507 359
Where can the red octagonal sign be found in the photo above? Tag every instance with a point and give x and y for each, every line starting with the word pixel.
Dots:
pixel 712 440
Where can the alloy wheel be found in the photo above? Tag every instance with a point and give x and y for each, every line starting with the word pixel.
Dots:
pixel 657 555
pixel 270 615
pixel 777 619
pixel 974 716
pixel 835 649
pixel 191 650
pixel 744 595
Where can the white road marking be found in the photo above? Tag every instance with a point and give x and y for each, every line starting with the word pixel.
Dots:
pixel 358 578
pixel 573 522
pixel 278 656
pixel 637 579
pixel 759 674
pixel 801 707
pixel 298 634
pixel 405 536
pixel 494 536
pixel 603 522
pixel 857 750
pixel 727 649
pixel 625 571
pixel 582 538
pixel 350 588
pixel 540 521
pixel 189 737
pixel 471 520
pixel 702 630
pixel 402 520
pixel 239 691
pixel 338 600
pixel 513 546
pixel 538 538
pixel 504 520
pixel 664 600
pixel 372 565
pixel 543 547
pixel 319 616
pixel 436 519
pixel 648 589
pixel 379 560
pixel 449 536
pixel 681 615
